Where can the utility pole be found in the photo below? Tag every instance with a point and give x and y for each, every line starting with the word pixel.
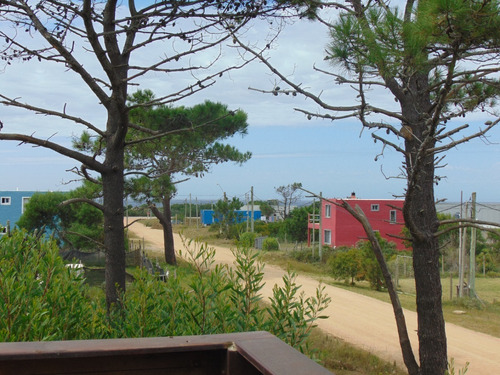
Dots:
pixel 253 215
pixel 248 211
pixel 190 212
pixel 185 211
pixel 314 226
pixel 320 242
pixel 461 272
pixel 472 252
pixel 197 216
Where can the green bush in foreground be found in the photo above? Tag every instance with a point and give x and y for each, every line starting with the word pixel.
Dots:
pixel 41 299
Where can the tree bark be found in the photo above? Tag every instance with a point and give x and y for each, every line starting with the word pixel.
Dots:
pixel 168 235
pixel 420 211
pixel 165 218
pixel 420 216
pixel 113 193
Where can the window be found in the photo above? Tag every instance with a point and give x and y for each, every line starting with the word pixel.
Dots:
pixel 375 207
pixel 328 237
pixel 328 210
pixel 25 202
pixel 3 229
pixel 5 201
pixel 393 217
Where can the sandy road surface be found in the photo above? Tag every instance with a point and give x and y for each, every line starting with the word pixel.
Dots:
pixel 364 321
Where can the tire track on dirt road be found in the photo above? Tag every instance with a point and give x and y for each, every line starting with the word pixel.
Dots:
pixel 363 321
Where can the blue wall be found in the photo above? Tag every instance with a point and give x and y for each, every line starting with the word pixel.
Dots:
pixel 207 216
pixel 11 206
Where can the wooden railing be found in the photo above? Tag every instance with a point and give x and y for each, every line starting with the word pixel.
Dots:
pixel 250 353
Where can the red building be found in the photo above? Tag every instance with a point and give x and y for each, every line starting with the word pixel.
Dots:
pixel 339 228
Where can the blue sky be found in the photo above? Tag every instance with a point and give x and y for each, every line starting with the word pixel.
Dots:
pixel 332 158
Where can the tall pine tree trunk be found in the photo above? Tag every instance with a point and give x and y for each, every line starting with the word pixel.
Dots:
pixel 421 219
pixel 420 212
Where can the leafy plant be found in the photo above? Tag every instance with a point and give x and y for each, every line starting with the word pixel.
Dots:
pixel 292 315
pixel 40 298
pixel 270 244
pixel 346 265
pixel 247 282
pixel 247 239
pixel 451 368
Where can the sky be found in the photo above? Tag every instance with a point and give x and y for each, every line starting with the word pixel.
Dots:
pixel 334 158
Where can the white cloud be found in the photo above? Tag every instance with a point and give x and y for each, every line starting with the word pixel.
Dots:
pixel 325 156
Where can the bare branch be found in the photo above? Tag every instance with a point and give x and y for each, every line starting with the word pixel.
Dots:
pixel 386 142
pixel 480 133
pixel 38 110
pixel 83 200
pixel 85 159
pixel 100 244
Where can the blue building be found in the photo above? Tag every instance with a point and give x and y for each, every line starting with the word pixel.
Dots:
pixel 208 217
pixel 12 204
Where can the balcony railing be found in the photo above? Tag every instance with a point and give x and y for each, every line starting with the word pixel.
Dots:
pixel 250 353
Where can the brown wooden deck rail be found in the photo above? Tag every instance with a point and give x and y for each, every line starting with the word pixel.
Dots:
pixel 250 353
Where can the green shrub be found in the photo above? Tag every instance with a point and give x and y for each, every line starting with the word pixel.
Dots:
pixel 305 256
pixel 40 298
pixel 346 265
pixel 247 239
pixel 270 244
pixel 291 315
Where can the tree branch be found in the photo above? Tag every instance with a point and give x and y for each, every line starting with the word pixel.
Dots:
pixel 85 159
pixel 14 103
pixel 83 200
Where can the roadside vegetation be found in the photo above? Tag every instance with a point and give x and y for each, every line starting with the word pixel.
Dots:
pixel 481 314
pixel 55 303
pixel 149 306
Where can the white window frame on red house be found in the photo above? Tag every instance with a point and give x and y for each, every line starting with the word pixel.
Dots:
pixel 375 207
pixel 393 216
pixel 328 210
pixel 329 240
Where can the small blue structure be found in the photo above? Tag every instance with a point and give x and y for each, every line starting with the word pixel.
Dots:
pixel 208 217
pixel 12 204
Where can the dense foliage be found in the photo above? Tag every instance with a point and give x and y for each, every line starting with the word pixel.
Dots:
pixel 76 226
pixel 42 299
pixel 359 263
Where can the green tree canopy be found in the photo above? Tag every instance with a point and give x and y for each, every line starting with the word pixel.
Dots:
pixel 190 142
pixel 226 215
pixel 75 226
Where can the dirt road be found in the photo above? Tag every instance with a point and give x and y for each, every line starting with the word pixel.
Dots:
pixel 364 321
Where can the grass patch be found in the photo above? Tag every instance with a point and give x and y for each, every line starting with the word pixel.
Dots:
pixel 203 234
pixel 344 359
